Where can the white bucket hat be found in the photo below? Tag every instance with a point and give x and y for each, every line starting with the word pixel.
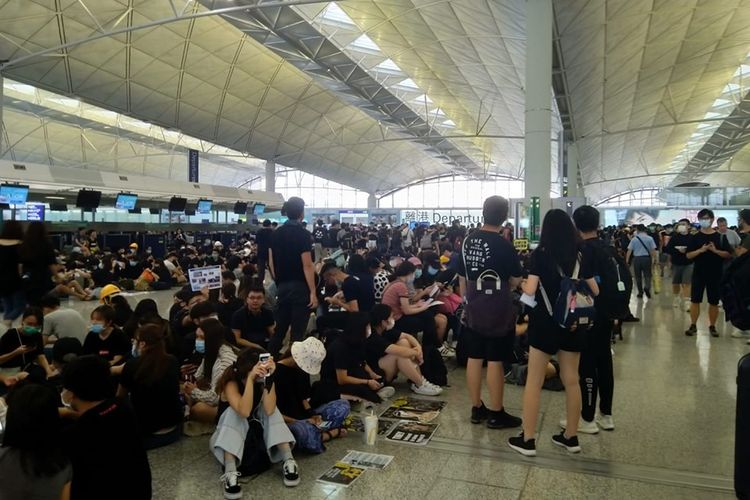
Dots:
pixel 309 355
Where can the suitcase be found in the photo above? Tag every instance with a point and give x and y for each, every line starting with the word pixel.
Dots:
pixel 742 430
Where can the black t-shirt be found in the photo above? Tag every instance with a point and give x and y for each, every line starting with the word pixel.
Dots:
pixel 263 240
pixel 226 310
pixel 288 243
pixel 106 451
pixel 10 280
pixel 484 250
pixel 116 344
pixel 543 265
pixel 292 387
pixel 677 240
pixel 343 355
pixel 708 263
pixel 13 339
pixel 319 234
pixel 156 405
pixel 376 344
pixel 360 288
pixel 253 327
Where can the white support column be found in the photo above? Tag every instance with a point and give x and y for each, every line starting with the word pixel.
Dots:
pixel 538 157
pixel 270 176
pixel 573 170
pixel 372 201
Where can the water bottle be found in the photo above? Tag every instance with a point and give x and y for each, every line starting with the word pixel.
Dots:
pixel 371 428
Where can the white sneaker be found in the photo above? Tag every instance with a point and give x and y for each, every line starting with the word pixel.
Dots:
pixel 605 422
pixel 426 389
pixel 446 351
pixel 677 302
pixel 386 392
pixel 739 334
pixel 584 427
pixel 291 473
pixel 232 489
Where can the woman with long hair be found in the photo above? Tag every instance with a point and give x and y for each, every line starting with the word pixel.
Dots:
pixel 203 395
pixel 142 308
pixel 248 392
pixel 152 379
pixel 39 262
pixel 32 462
pixel 122 308
pixel 11 286
pixel 558 253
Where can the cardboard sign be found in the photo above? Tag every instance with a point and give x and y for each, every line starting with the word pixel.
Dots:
pixel 521 245
pixel 201 277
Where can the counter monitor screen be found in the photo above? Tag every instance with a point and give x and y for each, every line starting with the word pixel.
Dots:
pixel 204 206
pixel 126 201
pixel 13 194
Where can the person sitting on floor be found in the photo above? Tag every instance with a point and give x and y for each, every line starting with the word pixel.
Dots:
pixel 22 348
pixel 311 425
pixel 391 352
pixel 346 365
pixel 203 396
pixel 152 379
pixel 105 339
pixel 248 393
pixel 253 324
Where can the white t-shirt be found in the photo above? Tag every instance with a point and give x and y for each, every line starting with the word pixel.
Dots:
pixel 733 239
pixel 65 323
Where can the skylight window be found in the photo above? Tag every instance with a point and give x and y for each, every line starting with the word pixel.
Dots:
pixel 366 43
pixel 407 84
pixel 423 98
pixel 449 124
pixel 334 14
pixel 388 65
pixel 20 87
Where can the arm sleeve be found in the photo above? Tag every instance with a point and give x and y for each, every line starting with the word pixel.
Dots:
pixel 631 245
pixel 350 289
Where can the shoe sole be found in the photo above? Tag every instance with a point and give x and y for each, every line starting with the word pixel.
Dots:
pixel 581 430
pixel 522 451
pixel 291 484
pixel 503 426
pixel 571 449
pixel 232 496
pixel 608 429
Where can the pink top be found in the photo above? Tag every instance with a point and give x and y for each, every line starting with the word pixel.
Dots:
pixel 392 297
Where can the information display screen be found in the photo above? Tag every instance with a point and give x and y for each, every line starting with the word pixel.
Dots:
pixel 126 201
pixel 259 209
pixel 35 212
pixel 204 206
pixel 13 194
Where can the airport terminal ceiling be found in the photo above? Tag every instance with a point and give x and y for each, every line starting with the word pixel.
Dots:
pixel 376 94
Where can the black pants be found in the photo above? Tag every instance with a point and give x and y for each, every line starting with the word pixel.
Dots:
pixel 334 319
pixel 423 322
pixel 291 311
pixel 595 370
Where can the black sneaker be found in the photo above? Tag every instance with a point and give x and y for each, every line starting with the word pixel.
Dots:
pixel 691 331
pixel 648 293
pixel 631 319
pixel 501 420
pixel 291 473
pixel 525 448
pixel 640 295
pixel 712 331
pixel 232 488
pixel 570 444
pixel 479 413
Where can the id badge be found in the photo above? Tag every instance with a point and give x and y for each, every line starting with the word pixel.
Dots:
pixel 620 286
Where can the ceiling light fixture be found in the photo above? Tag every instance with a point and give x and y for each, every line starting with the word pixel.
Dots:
pixel 54 198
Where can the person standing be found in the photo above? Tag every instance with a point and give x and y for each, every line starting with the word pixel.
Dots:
pixel 486 250
pixel 39 263
pixel 292 268
pixel 744 234
pixel 263 243
pixel 643 249
pixel 11 287
pixel 319 237
pixel 707 250
pixel 682 267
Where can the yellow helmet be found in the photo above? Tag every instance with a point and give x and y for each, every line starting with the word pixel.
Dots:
pixel 107 292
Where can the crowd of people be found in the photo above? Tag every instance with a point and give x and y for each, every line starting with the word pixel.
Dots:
pixel 309 323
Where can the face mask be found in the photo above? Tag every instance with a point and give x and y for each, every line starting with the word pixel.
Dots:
pixel 369 332
pixel 339 283
pixel 417 274
pixel 30 330
pixel 132 263
pixel 682 229
pixel 705 223
pixel 215 256
pixel 134 351
pixel 390 323
pixel 200 346
pixel 66 404
pixel 432 271
pixel 97 328
pixel 393 264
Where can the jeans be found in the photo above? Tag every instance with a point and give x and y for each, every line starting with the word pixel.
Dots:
pixel 13 305
pixel 595 371
pixel 308 436
pixel 642 270
pixel 291 311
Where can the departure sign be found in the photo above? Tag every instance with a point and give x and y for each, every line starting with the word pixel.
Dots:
pixel 35 211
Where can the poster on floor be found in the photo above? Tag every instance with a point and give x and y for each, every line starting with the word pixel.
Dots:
pixel 413 409
pixel 205 277
pixel 365 460
pixel 411 433
pixel 355 423
pixel 341 474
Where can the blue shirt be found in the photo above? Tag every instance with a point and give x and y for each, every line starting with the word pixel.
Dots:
pixel 642 250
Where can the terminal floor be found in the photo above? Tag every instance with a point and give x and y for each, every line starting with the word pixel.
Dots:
pixel 674 411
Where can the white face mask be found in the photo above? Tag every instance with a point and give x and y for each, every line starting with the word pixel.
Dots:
pixel 389 324
pixel 682 229
pixel 66 404
pixel 705 223
pixel 369 332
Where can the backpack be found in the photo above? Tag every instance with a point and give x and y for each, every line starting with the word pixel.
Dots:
pixel 615 282
pixel 735 292
pixel 489 309
pixel 425 243
pixel 254 455
pixel 574 307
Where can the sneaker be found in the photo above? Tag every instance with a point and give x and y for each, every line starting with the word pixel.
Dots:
pixel 712 331
pixel 570 444
pixel 501 420
pixel 640 295
pixel 232 488
pixel 446 352
pixel 426 389
pixel 739 334
pixel 631 319
pixel 605 422
pixel 584 427
pixel 479 413
pixel 677 302
pixel 648 293
pixel 691 331
pixel 291 473
pixel 386 392
pixel 525 448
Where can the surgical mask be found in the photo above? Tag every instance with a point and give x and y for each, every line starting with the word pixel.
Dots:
pixel 30 330
pixel 432 271
pixel 134 350
pixel 682 229
pixel 66 404
pixel 705 223
pixel 369 332
pixel 97 328
pixel 390 324
pixel 133 263
pixel 417 274
pixel 101 266
pixel 200 346
pixel 215 256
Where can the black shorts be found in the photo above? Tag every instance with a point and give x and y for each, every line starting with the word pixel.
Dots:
pixel 549 338
pixel 711 283
pixel 488 348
